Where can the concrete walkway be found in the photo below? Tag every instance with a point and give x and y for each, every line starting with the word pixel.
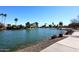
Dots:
pixel 70 44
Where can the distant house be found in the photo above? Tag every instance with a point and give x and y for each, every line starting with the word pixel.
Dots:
pixel 34 25
pixel 2 26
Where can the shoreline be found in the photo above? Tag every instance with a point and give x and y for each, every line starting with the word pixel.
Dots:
pixel 40 46
pixel 43 44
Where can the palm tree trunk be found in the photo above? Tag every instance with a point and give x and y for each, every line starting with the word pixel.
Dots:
pixel 15 22
pixel 2 19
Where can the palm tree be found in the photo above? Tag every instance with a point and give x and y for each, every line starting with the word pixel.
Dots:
pixel 36 24
pixel 5 15
pixel 50 26
pixel 53 23
pixel 2 17
pixel 28 25
pixel 16 19
pixel 60 25
pixel 57 26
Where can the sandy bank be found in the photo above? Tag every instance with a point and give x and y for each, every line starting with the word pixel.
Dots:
pixel 40 46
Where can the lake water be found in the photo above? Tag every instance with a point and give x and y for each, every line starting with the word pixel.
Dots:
pixel 16 38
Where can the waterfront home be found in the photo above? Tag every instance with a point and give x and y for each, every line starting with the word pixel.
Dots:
pixel 34 25
pixel 2 26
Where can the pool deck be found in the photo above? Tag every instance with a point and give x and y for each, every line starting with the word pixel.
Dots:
pixel 69 44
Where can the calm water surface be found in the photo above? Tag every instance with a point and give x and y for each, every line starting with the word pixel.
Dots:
pixel 15 38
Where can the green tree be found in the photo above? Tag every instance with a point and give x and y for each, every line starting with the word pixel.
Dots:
pixel 74 24
pixel 52 23
pixel 28 25
pixel 60 24
pixel 36 24
pixel 50 26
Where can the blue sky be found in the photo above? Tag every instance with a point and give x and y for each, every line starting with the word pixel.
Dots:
pixel 40 14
